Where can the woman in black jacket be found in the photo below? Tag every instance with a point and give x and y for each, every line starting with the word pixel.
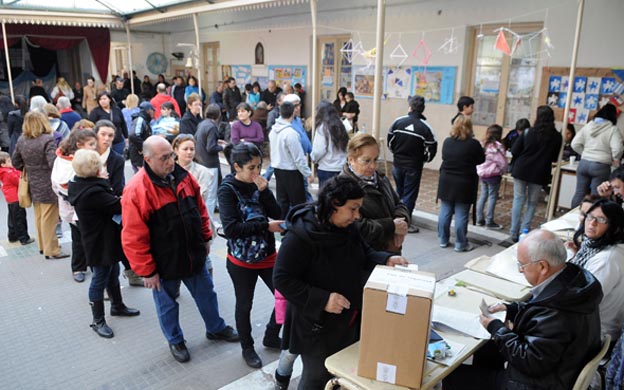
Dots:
pixel 106 109
pixel 533 153
pixel 99 212
pixel 15 121
pixel 246 203
pixel 458 184
pixel 320 269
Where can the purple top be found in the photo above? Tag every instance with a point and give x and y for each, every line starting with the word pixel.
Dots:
pixel 252 133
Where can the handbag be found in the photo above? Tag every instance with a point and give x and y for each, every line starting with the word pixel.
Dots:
pixel 23 191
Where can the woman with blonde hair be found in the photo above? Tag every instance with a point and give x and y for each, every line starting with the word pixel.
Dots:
pixel 35 153
pixel 132 108
pixel 384 219
pixel 62 88
pixel 458 184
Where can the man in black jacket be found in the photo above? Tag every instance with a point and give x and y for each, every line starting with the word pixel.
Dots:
pixel 139 131
pixel 553 335
pixel 231 98
pixel 413 143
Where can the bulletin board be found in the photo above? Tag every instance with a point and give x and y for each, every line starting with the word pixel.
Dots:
pixel 592 89
pixel 242 74
pixel 291 74
pixel 435 83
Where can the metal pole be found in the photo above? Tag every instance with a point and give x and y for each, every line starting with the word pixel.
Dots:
pixel 8 62
pixel 556 181
pixel 312 87
pixel 130 74
pixel 381 13
pixel 199 67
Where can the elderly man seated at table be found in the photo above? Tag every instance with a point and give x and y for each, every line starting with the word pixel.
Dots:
pixel 550 337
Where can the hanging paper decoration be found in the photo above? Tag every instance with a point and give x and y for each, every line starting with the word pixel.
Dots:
pixel 347 51
pixel 501 43
pixel 399 53
pixel 450 45
pixel 422 53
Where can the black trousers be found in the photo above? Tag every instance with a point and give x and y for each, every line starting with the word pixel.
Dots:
pixel 78 260
pixel 314 376
pixel 289 189
pixel 17 223
pixel 244 280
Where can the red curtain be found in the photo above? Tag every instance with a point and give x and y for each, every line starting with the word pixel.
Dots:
pixel 60 38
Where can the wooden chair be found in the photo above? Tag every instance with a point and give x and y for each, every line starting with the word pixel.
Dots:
pixel 585 377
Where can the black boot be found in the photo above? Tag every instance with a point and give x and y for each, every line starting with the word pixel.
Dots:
pixel 99 323
pixel 117 306
pixel 281 382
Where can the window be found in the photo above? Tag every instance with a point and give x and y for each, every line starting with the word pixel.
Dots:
pixel 502 85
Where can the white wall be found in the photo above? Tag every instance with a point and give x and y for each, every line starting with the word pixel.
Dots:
pixel 289 39
pixel 143 44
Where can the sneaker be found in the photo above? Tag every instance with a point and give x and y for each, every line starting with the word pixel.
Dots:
pixel 228 334
pixel 481 223
pixel 494 226
pixel 467 248
pixel 444 245
pixel 413 229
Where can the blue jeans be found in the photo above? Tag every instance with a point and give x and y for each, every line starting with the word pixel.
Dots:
pixel 202 290
pixel 286 363
pixel 103 276
pixel 489 192
pixel 407 182
pixel 528 192
pixel 589 175
pixel 461 211
pixel 306 188
pixel 323 176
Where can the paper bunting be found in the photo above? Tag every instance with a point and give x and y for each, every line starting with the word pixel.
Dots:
pixel 399 54
pixel 347 51
pixel 501 43
pixel 422 53
pixel 450 45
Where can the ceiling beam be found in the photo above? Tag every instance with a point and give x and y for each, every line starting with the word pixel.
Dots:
pixel 189 10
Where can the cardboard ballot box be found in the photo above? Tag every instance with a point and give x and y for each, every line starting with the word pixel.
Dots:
pixel 395 325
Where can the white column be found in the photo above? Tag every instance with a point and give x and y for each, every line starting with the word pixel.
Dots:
pixel 8 61
pixel 199 58
pixel 130 74
pixel 553 199
pixel 381 13
pixel 312 87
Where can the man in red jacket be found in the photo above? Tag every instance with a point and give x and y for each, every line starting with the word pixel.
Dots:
pixel 166 237
pixel 160 98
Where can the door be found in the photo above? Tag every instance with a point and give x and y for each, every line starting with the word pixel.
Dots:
pixel 334 68
pixel 210 77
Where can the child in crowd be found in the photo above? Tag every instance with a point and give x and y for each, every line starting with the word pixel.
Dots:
pixel 16 219
pixel 490 173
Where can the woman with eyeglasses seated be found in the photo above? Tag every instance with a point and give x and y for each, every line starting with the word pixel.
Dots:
pixel 600 251
pixel 384 219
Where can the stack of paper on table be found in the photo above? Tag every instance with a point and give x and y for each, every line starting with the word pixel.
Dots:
pixel 445 318
pixel 505 265
pixel 492 285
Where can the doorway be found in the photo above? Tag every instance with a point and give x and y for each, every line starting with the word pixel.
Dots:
pixel 210 78
pixel 335 70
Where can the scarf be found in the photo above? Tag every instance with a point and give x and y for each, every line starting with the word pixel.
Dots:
pixel 586 252
pixel 370 180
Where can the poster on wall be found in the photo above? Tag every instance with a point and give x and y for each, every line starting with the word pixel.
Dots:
pixel 363 81
pixel 435 83
pixel 242 74
pixel 398 82
pixel 288 74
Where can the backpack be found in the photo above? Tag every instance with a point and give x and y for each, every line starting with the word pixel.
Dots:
pixel 254 248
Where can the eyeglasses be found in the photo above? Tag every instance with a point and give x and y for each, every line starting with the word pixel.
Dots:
pixel 521 266
pixel 600 220
pixel 167 157
pixel 368 162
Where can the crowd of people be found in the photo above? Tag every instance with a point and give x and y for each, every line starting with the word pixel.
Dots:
pixel 71 144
